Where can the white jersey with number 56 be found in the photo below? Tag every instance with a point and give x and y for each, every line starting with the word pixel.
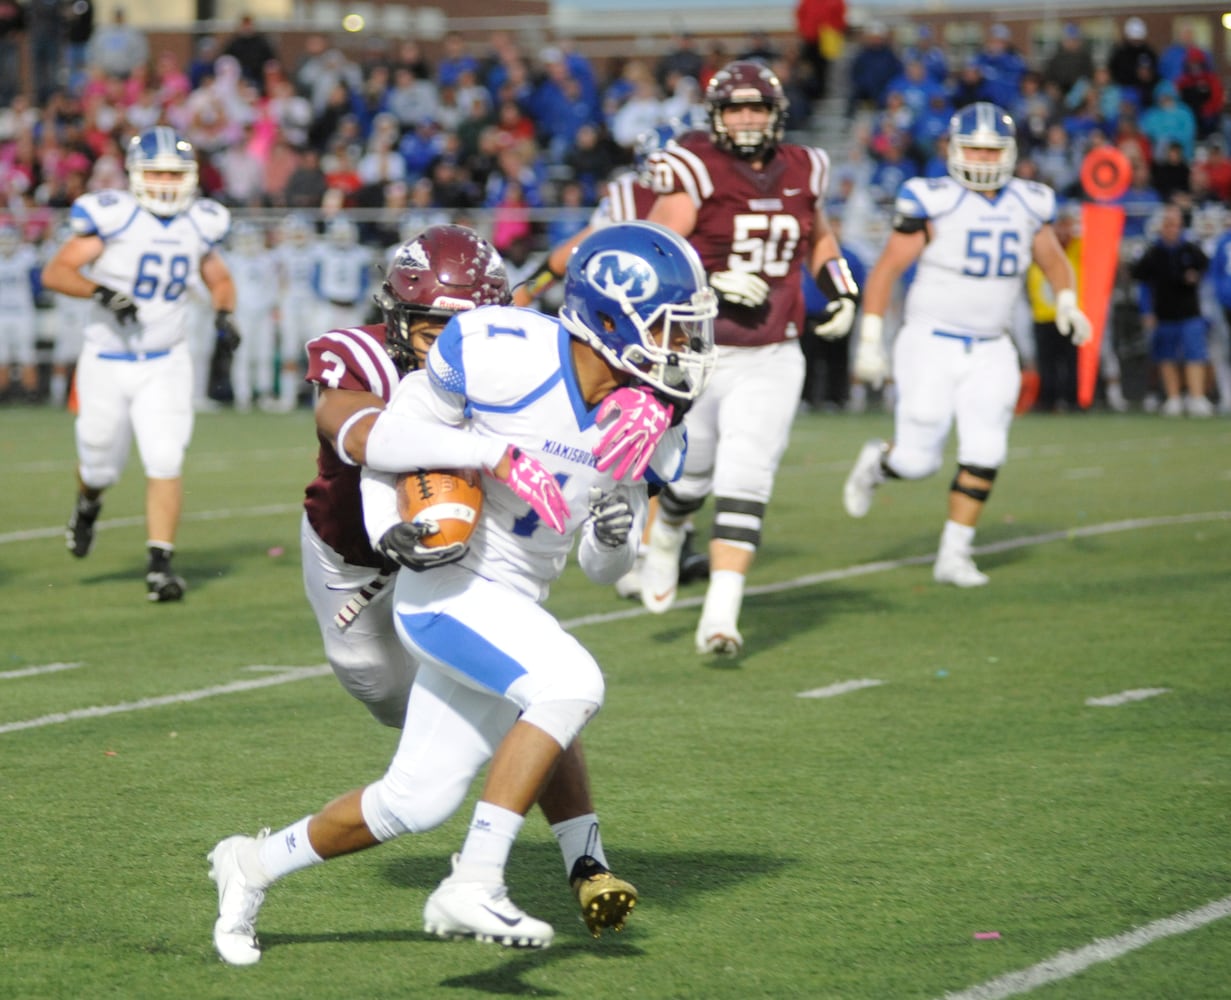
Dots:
pixel 973 269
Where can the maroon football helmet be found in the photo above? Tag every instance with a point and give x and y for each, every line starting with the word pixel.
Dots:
pixel 441 272
pixel 746 82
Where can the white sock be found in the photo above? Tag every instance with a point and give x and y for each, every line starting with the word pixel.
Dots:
pixel 281 853
pixel 724 597
pixel 579 837
pixel 59 389
pixel 957 537
pixel 492 832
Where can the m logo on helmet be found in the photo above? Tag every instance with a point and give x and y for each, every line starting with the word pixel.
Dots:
pixel 616 271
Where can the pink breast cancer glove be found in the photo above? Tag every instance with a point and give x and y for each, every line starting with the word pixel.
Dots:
pixel 638 422
pixel 534 484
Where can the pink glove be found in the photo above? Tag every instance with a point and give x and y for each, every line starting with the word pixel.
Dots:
pixel 639 423
pixel 534 484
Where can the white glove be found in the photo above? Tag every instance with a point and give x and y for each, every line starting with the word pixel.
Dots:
pixel 839 318
pixel 1070 320
pixel 740 287
pixel 871 362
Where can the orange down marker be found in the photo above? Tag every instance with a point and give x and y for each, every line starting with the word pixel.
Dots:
pixel 1105 176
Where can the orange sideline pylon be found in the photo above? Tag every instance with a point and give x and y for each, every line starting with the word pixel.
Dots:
pixel 1105 176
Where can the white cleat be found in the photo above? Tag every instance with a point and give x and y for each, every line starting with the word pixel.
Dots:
pixel 721 640
pixel 238 903
pixel 660 573
pixel 1198 406
pixel 629 585
pixel 866 475
pixel 482 910
pixel 958 569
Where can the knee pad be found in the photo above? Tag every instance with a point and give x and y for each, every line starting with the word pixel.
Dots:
pixel 561 720
pixel 676 508
pixel 738 522
pixel 413 801
pixel 910 463
pixel 974 492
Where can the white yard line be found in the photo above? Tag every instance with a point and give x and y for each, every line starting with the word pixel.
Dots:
pixel 285 675
pixel 1125 697
pixel 842 687
pixel 829 576
pixel 106 524
pixel 46 668
pixel 1065 964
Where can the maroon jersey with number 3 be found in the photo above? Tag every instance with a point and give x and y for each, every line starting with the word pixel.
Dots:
pixel 758 221
pixel 356 360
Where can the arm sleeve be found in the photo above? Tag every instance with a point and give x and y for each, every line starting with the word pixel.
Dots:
pixel 380 507
pixel 605 566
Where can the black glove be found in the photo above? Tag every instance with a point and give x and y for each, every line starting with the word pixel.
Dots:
pixel 226 339
pixel 611 517
pixel 224 327
pixel 121 306
pixel 399 546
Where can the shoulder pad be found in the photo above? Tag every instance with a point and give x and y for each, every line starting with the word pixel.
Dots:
pixel 212 219
pixel 102 213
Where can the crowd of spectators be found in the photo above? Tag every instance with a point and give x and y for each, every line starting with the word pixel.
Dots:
pixel 479 126
pixel 1164 109
pixel 519 142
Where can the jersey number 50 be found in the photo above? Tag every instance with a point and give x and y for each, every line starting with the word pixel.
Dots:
pixel 764 243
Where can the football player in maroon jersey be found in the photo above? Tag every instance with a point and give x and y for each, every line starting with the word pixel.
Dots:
pixel 753 207
pixel 442 271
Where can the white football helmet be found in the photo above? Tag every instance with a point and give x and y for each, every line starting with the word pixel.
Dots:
pixel 161 150
pixel 248 239
pixel 982 126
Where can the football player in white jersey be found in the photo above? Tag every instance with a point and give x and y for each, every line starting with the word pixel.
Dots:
pixel 19 266
pixel 586 403
pixel 255 273
pixel 66 326
pixel 300 312
pixel 135 253
pixel 345 272
pixel 974 234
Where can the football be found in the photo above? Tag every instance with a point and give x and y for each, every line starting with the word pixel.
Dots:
pixel 453 498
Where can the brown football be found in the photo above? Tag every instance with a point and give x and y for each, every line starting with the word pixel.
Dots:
pixel 453 498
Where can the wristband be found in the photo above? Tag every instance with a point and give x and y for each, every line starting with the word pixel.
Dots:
pixel 835 281
pixel 541 280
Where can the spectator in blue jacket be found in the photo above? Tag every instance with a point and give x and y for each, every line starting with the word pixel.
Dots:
pixel 875 65
pixel 1170 120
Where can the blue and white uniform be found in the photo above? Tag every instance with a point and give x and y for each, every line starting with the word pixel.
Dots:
pixel 18 319
pixel 137 378
pixel 954 356
pixel 488 652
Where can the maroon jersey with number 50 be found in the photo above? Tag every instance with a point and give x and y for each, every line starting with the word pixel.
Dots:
pixel 355 360
pixel 758 221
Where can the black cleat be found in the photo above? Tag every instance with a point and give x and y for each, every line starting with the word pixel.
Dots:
pixel 79 533
pixel 164 586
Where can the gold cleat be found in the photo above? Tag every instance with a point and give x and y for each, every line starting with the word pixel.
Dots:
pixel 606 901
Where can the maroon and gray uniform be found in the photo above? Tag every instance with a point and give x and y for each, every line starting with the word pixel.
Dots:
pixel 757 221
pixel 752 221
pixel 339 565
pixel 353 359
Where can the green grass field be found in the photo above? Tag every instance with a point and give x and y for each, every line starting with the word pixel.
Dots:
pixel 839 847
